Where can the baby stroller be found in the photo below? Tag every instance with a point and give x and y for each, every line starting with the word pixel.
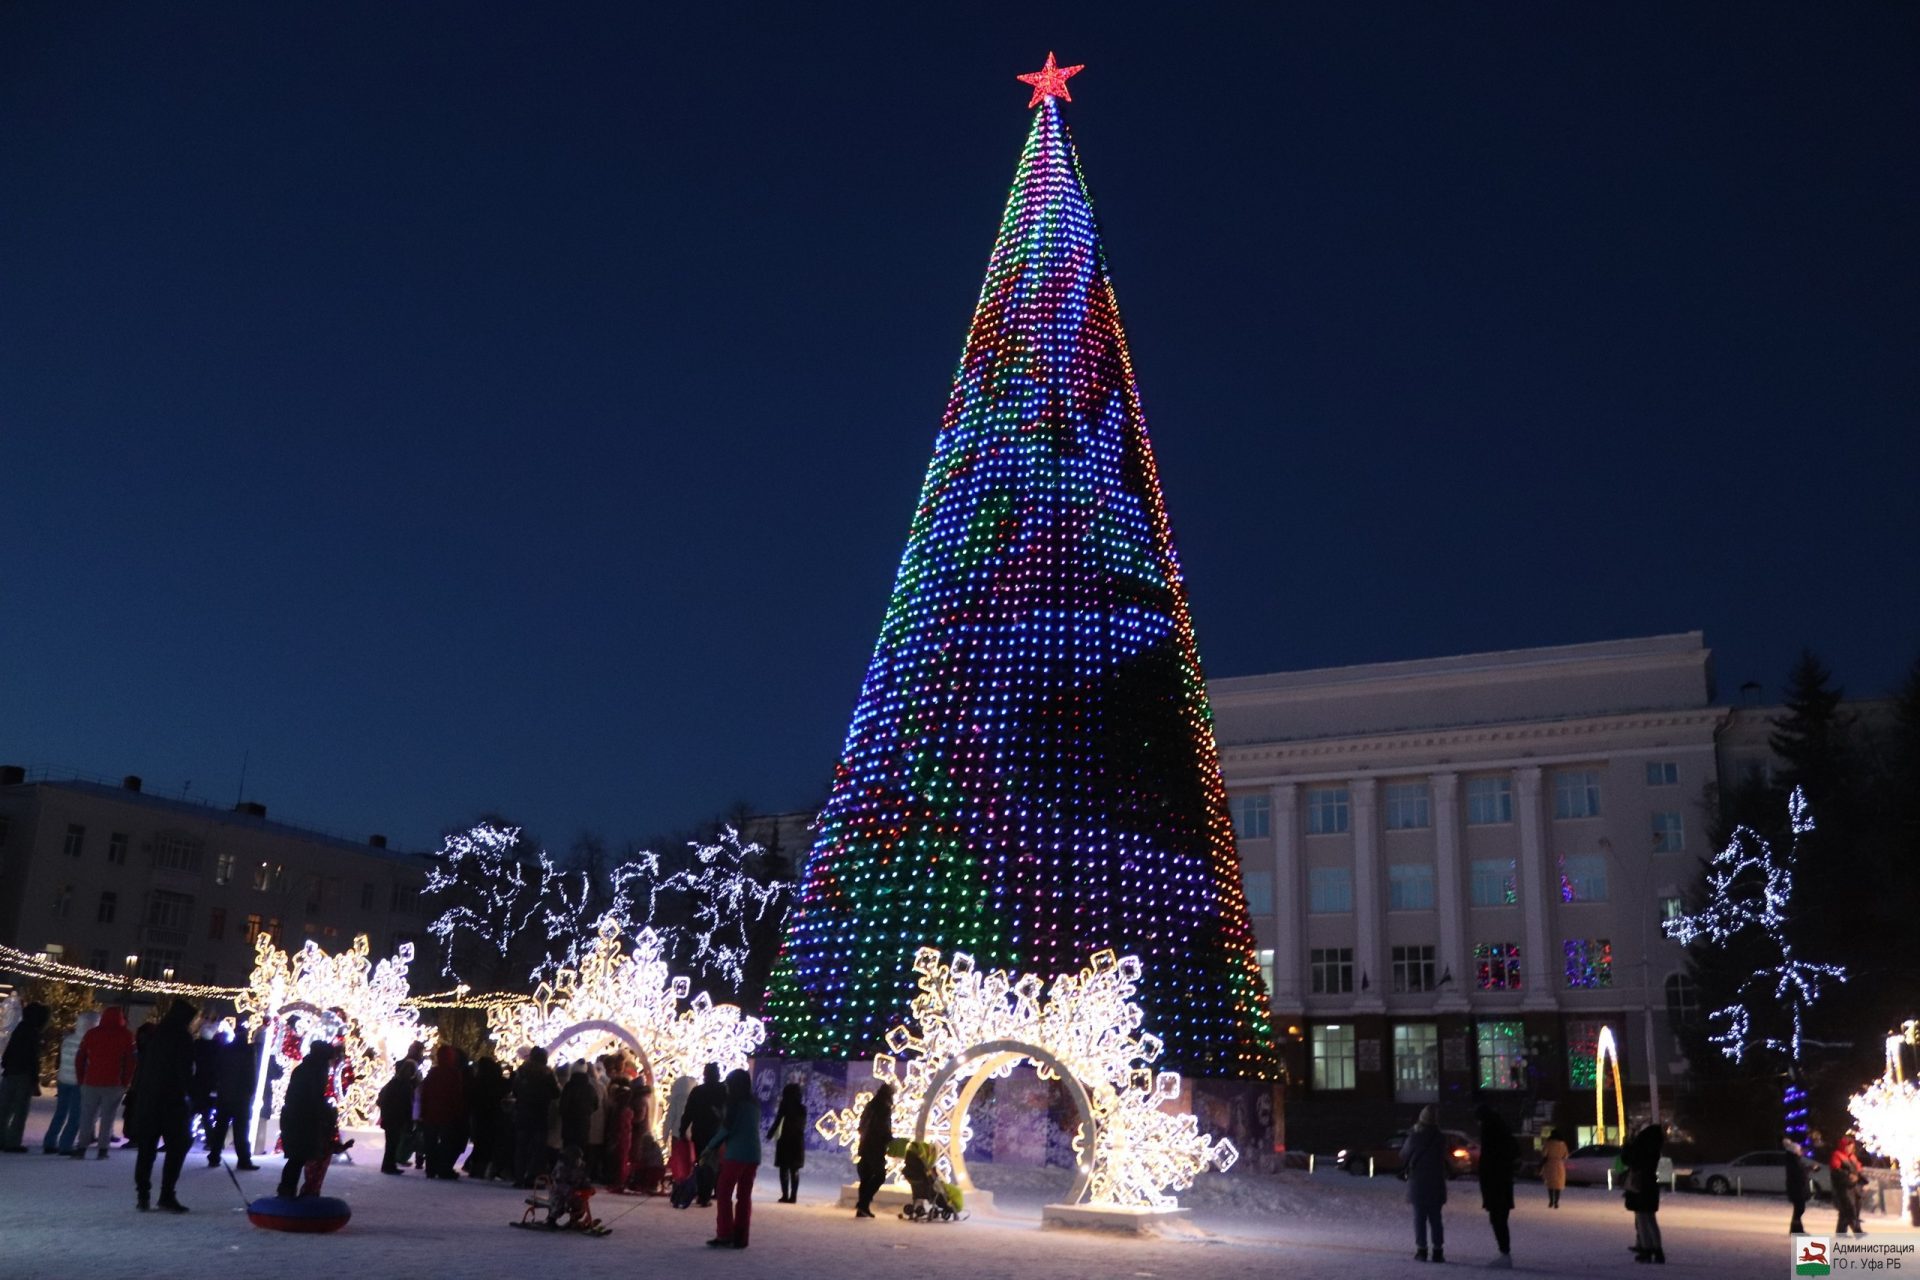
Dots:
pixel 933 1200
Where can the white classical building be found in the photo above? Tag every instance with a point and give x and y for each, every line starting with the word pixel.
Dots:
pixel 1457 867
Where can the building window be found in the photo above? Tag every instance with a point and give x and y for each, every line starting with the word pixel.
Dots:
pixel 160 964
pixel 1251 814
pixel 223 868
pixel 1329 889
pixel 6 825
pixel 1489 801
pixel 1412 969
pixel 100 960
pixel 267 876
pixel 1583 1051
pixel 273 927
pixel 316 890
pixel 1589 962
pixel 109 904
pixel 176 851
pixel 1663 773
pixel 1502 1050
pixel 1672 908
pixel 216 924
pixel 1416 1061
pixel 1259 886
pixel 252 930
pixel 1333 1057
pixel 1583 877
pixel 168 910
pixel 62 902
pixel 76 839
pixel 1494 882
pixel 1497 966
pixel 406 897
pixel 1266 970
pixel 1576 794
pixel 1409 887
pixel 1683 999
pixel 210 973
pixel 1327 811
pixel 366 897
pixel 1330 970
pixel 1407 806
pixel 1669 833
pixel 117 848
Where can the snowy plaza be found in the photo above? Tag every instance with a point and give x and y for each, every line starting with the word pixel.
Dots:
pixel 64 1218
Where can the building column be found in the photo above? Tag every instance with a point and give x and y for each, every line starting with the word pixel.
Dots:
pixel 1289 908
pixel 1537 966
pixel 1446 872
pixel 1367 952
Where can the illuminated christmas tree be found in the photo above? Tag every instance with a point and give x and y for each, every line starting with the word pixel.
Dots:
pixel 1030 774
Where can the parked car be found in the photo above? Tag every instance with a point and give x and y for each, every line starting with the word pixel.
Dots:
pixel 1588 1166
pixel 1463 1155
pixel 1756 1171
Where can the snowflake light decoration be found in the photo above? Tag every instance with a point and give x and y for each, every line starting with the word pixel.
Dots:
pixel 1886 1114
pixel 967 1026
pixel 1750 886
pixel 346 995
pixel 612 991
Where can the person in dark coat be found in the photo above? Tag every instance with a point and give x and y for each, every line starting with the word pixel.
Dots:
pixel 1423 1162
pixel 870 1155
pixel 307 1119
pixel 578 1102
pixel 443 1112
pixel 705 1105
pixel 1641 1157
pixel 1499 1156
pixel 395 1101
pixel 141 1038
pixel 238 1069
pixel 1799 1184
pixel 163 1087
pixel 486 1092
pixel 20 1076
pixel 789 1134
pixel 206 1076
pixel 534 1093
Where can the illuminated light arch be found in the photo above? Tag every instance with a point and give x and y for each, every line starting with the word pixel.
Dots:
pixel 1605 1054
pixel 1886 1114
pixel 631 997
pixel 968 1027
pixel 367 1001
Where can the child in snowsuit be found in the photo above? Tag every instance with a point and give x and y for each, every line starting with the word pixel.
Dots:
pixel 570 1191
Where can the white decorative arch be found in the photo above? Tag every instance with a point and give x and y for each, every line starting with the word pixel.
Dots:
pixel 968 1027
pixel 632 998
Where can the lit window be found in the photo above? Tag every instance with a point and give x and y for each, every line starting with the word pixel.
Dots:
pixel 1576 794
pixel 1333 1057
pixel 1409 886
pixel 1330 970
pixel 1412 969
pixel 1250 815
pixel 1259 887
pixel 1671 908
pixel 1663 773
pixel 1669 833
pixel 1502 1049
pixel 1497 966
pixel 1329 889
pixel 1266 970
pixel 1583 877
pixel 1489 801
pixel 1327 810
pixel 1494 882
pixel 223 868
pixel 1589 962
pixel 1416 1061
pixel 1407 806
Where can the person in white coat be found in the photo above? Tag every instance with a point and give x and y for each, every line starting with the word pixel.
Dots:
pixel 66 1107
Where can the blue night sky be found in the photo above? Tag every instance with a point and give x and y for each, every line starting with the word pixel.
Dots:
pixel 454 407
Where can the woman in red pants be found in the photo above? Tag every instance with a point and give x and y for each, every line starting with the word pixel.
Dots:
pixel 737 1142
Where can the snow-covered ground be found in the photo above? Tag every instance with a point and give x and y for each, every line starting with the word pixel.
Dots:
pixel 68 1218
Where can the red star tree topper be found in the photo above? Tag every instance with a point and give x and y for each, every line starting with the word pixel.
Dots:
pixel 1050 81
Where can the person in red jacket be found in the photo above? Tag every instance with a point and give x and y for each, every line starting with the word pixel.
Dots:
pixel 104 1067
pixel 1848 1179
pixel 443 1112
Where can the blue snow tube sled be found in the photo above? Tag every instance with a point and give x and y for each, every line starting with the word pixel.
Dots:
pixel 306 1214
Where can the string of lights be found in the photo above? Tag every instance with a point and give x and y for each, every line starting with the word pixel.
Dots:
pixel 1030 775
pixel 44 967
